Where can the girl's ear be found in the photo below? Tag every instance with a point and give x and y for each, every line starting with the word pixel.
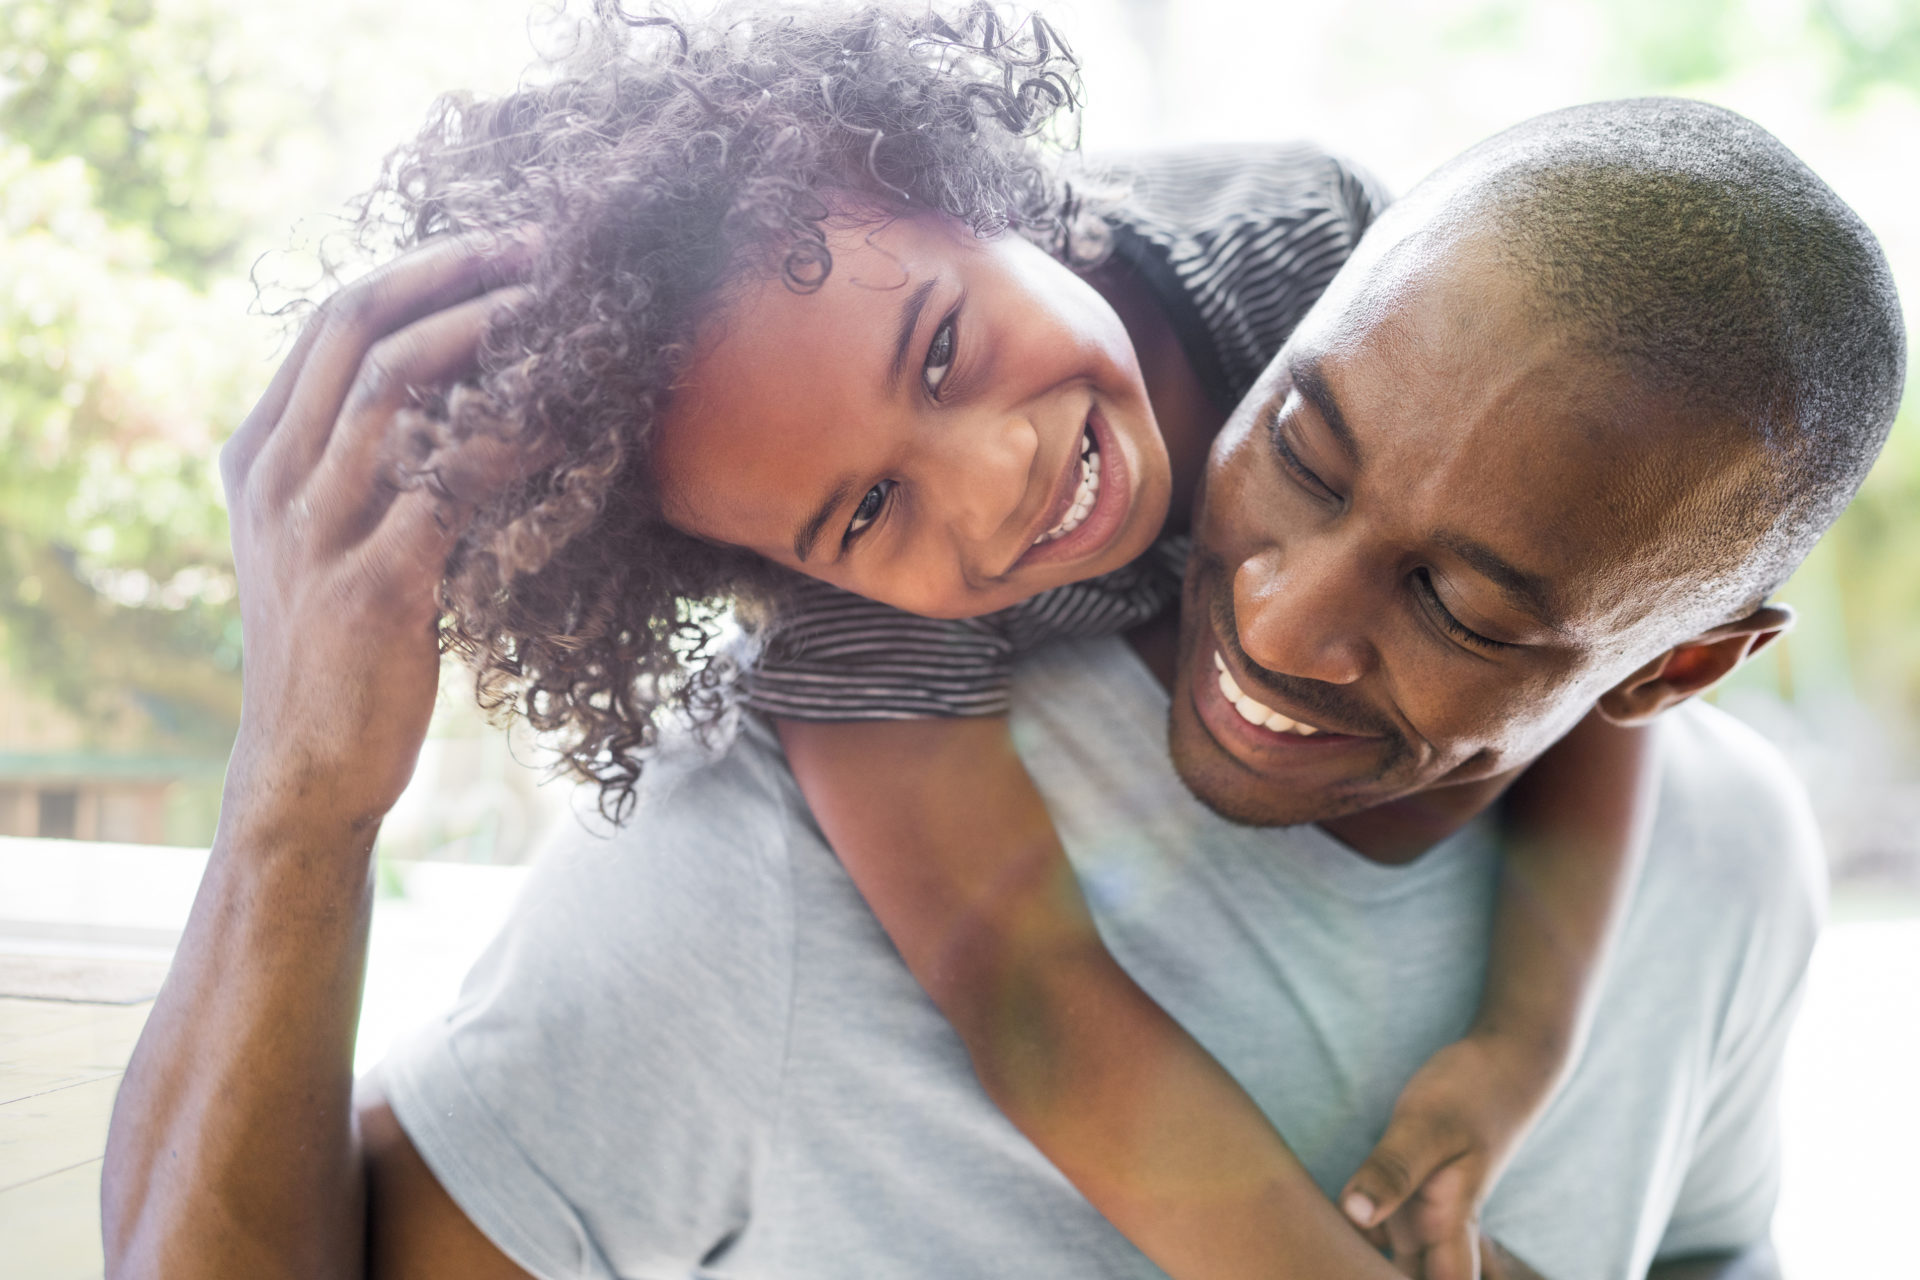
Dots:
pixel 1693 666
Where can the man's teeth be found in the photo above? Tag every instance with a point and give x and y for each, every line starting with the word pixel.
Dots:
pixel 1083 498
pixel 1255 713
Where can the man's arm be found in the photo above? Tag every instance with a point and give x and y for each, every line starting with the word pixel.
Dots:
pixel 234 1149
pixel 414 1228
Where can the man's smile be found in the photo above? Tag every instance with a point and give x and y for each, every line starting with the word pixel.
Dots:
pixel 1259 732
pixel 1255 712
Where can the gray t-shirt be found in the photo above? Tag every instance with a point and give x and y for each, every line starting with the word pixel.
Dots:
pixel 692 1050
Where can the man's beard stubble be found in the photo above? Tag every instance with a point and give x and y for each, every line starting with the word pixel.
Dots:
pixel 1207 594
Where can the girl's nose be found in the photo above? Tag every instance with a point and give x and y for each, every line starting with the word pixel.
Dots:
pixel 1298 614
pixel 984 483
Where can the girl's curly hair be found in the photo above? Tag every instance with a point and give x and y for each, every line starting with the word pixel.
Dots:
pixel 663 157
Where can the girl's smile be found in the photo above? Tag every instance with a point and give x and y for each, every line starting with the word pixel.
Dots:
pixel 949 424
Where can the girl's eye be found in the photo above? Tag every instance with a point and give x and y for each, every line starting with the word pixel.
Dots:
pixel 939 359
pixel 870 508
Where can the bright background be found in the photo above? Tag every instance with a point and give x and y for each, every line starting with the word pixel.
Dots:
pixel 151 151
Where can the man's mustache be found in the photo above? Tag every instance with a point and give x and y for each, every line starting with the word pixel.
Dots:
pixel 1342 710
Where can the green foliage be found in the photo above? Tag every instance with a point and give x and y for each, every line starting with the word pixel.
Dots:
pixel 148 150
pixel 1878 567
pixel 1874 42
pixel 1668 44
pixel 112 537
pixel 139 100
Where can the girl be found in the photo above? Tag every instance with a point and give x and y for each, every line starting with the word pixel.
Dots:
pixel 821 333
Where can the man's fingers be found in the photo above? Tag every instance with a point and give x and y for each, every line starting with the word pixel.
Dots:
pixel 427 353
pixel 409 549
pixel 439 274
pixel 236 457
pixel 1406 1156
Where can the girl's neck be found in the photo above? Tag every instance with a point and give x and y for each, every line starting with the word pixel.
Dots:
pixel 1188 418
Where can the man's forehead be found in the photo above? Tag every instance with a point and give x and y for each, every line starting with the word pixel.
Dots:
pixel 1487 430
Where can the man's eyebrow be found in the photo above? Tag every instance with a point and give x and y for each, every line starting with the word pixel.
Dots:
pixel 1312 386
pixel 1527 592
pixel 810 531
pixel 910 310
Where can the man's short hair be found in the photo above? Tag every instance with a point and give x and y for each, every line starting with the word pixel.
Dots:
pixel 1690 246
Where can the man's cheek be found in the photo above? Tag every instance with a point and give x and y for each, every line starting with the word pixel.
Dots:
pixel 1229 515
pixel 1513 728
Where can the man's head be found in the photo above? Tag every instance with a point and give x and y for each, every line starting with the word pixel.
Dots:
pixel 1577 406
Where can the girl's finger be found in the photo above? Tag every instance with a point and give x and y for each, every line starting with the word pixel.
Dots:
pixel 1417 1142
pixel 439 274
pixel 1405 1248
pixel 1455 1257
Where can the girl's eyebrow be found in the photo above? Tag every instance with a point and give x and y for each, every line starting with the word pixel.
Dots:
pixel 810 531
pixel 910 310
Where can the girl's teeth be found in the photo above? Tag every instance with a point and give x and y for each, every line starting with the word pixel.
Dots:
pixel 1083 498
pixel 1256 713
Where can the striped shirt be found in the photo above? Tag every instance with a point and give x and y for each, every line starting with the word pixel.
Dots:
pixel 1235 244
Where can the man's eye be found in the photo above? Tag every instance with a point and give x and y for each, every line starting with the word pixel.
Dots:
pixel 1459 630
pixel 1291 462
pixel 939 359
pixel 870 507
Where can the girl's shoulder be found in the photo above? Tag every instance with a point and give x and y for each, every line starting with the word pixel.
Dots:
pixel 1237 243
pixel 834 656
pixel 1205 191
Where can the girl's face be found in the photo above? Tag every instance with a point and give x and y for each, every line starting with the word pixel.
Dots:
pixel 948 425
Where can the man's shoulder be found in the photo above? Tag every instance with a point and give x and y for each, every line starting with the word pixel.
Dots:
pixel 700 864
pixel 607 1080
pixel 1736 822
pixel 737 782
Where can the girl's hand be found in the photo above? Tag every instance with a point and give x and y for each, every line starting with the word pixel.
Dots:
pixel 1458 1121
pixel 338 562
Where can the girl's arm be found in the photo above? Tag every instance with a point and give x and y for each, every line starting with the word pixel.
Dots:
pixel 1574 834
pixel 945 834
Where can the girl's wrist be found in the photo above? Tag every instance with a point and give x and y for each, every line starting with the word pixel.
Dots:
pixel 1530 1049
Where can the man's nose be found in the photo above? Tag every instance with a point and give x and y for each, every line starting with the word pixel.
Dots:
pixel 1299 614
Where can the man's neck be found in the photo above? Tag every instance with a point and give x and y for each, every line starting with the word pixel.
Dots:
pixel 1391 834
pixel 1401 831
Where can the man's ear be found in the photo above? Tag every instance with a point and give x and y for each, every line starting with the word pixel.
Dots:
pixel 1693 666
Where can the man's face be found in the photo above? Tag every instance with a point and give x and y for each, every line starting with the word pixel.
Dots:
pixel 1430 538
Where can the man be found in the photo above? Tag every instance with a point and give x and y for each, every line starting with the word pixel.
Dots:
pixel 1578 404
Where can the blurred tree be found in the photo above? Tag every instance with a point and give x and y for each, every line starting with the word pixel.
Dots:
pixel 118 584
pixel 141 102
pixel 115 361
pixel 1875 43
pixel 149 149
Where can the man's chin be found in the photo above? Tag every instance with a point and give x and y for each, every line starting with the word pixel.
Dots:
pixel 1226 786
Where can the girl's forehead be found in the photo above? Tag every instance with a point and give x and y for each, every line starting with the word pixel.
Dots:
pixel 786 389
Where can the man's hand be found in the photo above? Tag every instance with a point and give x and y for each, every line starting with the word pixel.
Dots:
pixel 232 1150
pixel 338 559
